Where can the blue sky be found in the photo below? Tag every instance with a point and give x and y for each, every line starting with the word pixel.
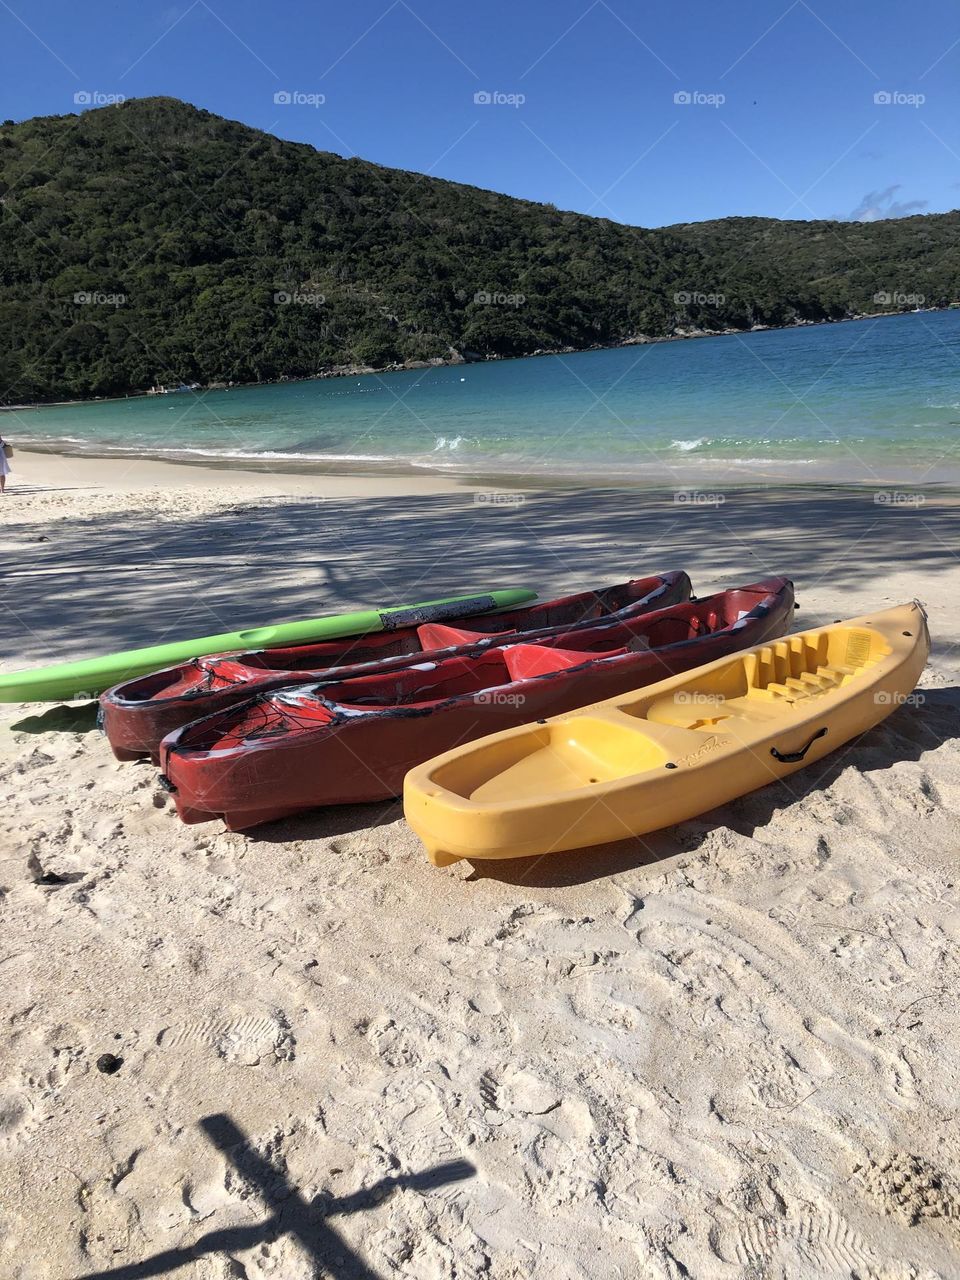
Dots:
pixel 777 114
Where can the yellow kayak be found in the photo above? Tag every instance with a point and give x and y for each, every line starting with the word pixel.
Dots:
pixel 669 751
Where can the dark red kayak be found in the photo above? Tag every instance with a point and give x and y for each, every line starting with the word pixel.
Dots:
pixel 138 713
pixel 353 739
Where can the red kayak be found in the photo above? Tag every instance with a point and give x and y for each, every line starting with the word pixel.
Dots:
pixel 138 713
pixel 353 739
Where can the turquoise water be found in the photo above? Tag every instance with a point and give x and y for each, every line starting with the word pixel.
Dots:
pixel 855 400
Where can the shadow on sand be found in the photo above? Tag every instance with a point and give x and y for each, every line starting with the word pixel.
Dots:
pixel 337 820
pixel 292 1215
pixel 62 718
pixel 83 591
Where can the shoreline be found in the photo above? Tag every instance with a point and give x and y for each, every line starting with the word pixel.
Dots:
pixel 48 471
pixel 359 371
pixel 62 467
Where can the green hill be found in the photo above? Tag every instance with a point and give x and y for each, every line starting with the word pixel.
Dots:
pixel 153 241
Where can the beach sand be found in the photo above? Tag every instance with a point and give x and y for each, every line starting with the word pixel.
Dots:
pixel 729 1049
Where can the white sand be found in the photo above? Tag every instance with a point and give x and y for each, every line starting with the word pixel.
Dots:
pixel 728 1050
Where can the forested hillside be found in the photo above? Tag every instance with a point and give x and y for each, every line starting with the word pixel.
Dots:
pixel 155 241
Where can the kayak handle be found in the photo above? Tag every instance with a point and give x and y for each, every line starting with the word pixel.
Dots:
pixel 791 757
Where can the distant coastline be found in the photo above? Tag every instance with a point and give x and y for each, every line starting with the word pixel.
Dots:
pixel 356 371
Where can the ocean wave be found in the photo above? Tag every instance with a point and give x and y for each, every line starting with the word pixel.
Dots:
pixel 452 443
pixel 459 455
pixel 767 462
pixel 771 442
pixel 146 450
pixel 54 440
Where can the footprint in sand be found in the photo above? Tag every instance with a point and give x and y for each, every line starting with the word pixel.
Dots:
pixel 363 848
pixel 486 1002
pixel 826 1245
pixel 517 1092
pixel 258 1151
pixel 392 1043
pixel 31 1092
pixel 423 1141
pixel 246 1040
pixel 16 1115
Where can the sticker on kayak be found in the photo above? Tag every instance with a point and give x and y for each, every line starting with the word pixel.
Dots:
pixel 436 613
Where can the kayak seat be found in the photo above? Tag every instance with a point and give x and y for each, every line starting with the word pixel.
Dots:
pixel 673 629
pixel 688 709
pixel 524 661
pixel 436 635
pixel 788 670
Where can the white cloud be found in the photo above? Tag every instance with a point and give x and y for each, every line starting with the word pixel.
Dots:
pixel 881 204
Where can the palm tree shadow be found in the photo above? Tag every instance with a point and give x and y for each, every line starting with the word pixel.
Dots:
pixel 906 735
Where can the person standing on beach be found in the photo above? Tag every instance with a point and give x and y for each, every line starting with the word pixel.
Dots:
pixel 5 467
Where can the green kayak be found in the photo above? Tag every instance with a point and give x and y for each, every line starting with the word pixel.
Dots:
pixel 91 676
